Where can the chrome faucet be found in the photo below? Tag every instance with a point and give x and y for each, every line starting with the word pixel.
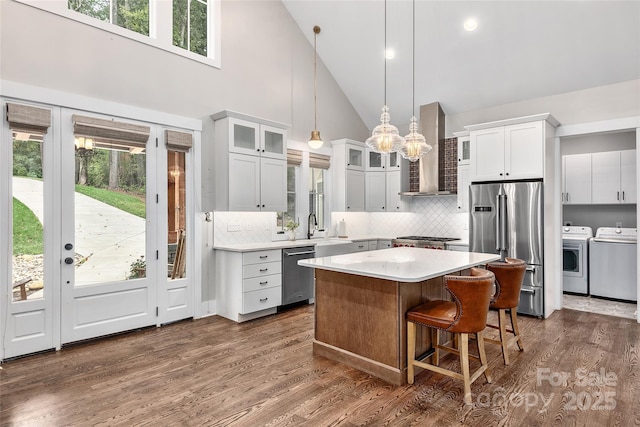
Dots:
pixel 311 226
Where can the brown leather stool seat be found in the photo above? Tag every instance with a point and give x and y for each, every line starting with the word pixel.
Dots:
pixel 509 276
pixel 467 314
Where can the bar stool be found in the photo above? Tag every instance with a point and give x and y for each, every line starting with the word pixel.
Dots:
pixel 509 276
pixel 466 314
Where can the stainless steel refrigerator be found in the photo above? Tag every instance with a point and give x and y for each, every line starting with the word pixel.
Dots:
pixel 507 218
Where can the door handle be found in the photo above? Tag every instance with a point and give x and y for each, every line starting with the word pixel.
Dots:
pixel 68 260
pixel 299 253
pixel 527 291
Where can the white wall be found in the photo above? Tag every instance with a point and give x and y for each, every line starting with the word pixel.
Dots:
pixel 583 106
pixel 267 68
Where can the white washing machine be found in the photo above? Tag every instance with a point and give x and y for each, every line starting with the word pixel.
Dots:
pixel 613 263
pixel 575 259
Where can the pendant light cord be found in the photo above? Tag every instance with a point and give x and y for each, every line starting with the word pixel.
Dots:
pixel 316 30
pixel 385 52
pixel 413 76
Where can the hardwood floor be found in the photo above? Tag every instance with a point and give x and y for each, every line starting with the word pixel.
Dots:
pixel 577 369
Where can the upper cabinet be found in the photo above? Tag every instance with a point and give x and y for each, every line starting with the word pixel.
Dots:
pixel 599 178
pixel 576 179
pixel 614 177
pixel 348 176
pixel 250 163
pixel 510 149
pixel 247 137
pixel 464 147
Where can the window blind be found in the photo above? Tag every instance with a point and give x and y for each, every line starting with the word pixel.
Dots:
pixel 111 132
pixel 28 119
pixel 294 157
pixel 319 161
pixel 178 141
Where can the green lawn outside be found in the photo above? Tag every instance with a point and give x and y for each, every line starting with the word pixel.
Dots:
pixel 122 201
pixel 27 230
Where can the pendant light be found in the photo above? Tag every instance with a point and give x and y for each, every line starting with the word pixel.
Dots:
pixel 385 137
pixel 315 141
pixel 415 145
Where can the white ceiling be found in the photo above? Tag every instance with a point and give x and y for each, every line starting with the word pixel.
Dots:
pixel 521 50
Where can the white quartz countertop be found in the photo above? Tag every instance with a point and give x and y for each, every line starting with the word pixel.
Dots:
pixel 403 264
pixel 283 244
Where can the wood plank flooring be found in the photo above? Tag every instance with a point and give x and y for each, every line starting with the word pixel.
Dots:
pixel 577 369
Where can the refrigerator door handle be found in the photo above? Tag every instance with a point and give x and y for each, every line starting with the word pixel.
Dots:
pixel 498 222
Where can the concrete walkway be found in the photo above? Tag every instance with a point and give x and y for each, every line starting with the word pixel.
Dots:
pixel 110 239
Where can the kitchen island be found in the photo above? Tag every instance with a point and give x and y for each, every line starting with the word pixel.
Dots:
pixel 361 300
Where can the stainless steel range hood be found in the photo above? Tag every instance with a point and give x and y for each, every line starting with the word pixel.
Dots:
pixel 430 167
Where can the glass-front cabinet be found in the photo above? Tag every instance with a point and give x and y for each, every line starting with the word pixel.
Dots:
pixel 253 138
pixel 464 147
pixel 355 157
pixel 375 161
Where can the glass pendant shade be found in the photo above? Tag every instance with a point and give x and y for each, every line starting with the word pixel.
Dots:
pixel 415 145
pixel 385 137
pixel 315 141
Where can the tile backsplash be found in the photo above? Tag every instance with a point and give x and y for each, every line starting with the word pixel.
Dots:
pixel 428 216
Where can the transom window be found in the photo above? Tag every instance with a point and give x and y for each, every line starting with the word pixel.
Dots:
pixel 189 28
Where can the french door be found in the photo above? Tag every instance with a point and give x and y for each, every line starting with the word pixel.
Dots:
pixel 106 205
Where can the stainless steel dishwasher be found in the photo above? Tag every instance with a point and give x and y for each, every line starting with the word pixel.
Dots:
pixel 297 281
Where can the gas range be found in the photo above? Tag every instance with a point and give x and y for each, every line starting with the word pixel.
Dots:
pixel 422 242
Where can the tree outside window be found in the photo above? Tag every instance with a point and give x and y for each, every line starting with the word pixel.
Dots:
pixel 130 14
pixel 190 25
pixel 317 196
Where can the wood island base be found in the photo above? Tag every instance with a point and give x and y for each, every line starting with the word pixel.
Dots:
pixel 360 321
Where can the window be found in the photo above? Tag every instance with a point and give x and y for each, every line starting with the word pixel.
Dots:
pixel 130 14
pixel 189 28
pixel 283 217
pixel 316 195
pixel 190 25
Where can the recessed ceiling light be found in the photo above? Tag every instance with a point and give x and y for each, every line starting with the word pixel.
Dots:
pixel 389 54
pixel 470 24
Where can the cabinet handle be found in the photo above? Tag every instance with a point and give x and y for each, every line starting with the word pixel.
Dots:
pixel 264 299
pixel 383 207
pixel 264 283
pixel 257 206
pixel 623 196
pixel 567 197
pixel 263 206
pixel 264 256
pixel 507 174
pixel 258 150
pixel 618 195
pixel 262 270
pixel 500 173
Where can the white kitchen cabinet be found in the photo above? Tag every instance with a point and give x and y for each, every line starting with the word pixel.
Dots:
pixel 375 191
pixel 248 284
pixel 348 176
pixel 464 179
pixel 510 149
pixel 384 244
pixel 393 162
pixel 375 161
pixel 372 245
pixel 464 147
pixel 393 201
pixel 250 137
pixel 355 197
pixel 250 166
pixel 576 179
pixel 355 156
pixel 613 177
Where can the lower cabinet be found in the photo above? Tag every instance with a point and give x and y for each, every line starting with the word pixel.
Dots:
pixel 248 284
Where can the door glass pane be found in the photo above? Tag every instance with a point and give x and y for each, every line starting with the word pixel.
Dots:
pixel 27 270
pixel 466 149
pixel 177 210
pixel 110 212
pixel 375 159
pixel 355 157
pixel 273 142
pixel 394 160
pixel 244 137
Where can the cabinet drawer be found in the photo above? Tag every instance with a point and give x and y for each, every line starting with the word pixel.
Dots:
pixel 262 282
pixel 261 299
pixel 261 256
pixel 264 269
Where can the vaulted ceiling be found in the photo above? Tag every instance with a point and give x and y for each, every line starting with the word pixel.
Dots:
pixel 520 50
